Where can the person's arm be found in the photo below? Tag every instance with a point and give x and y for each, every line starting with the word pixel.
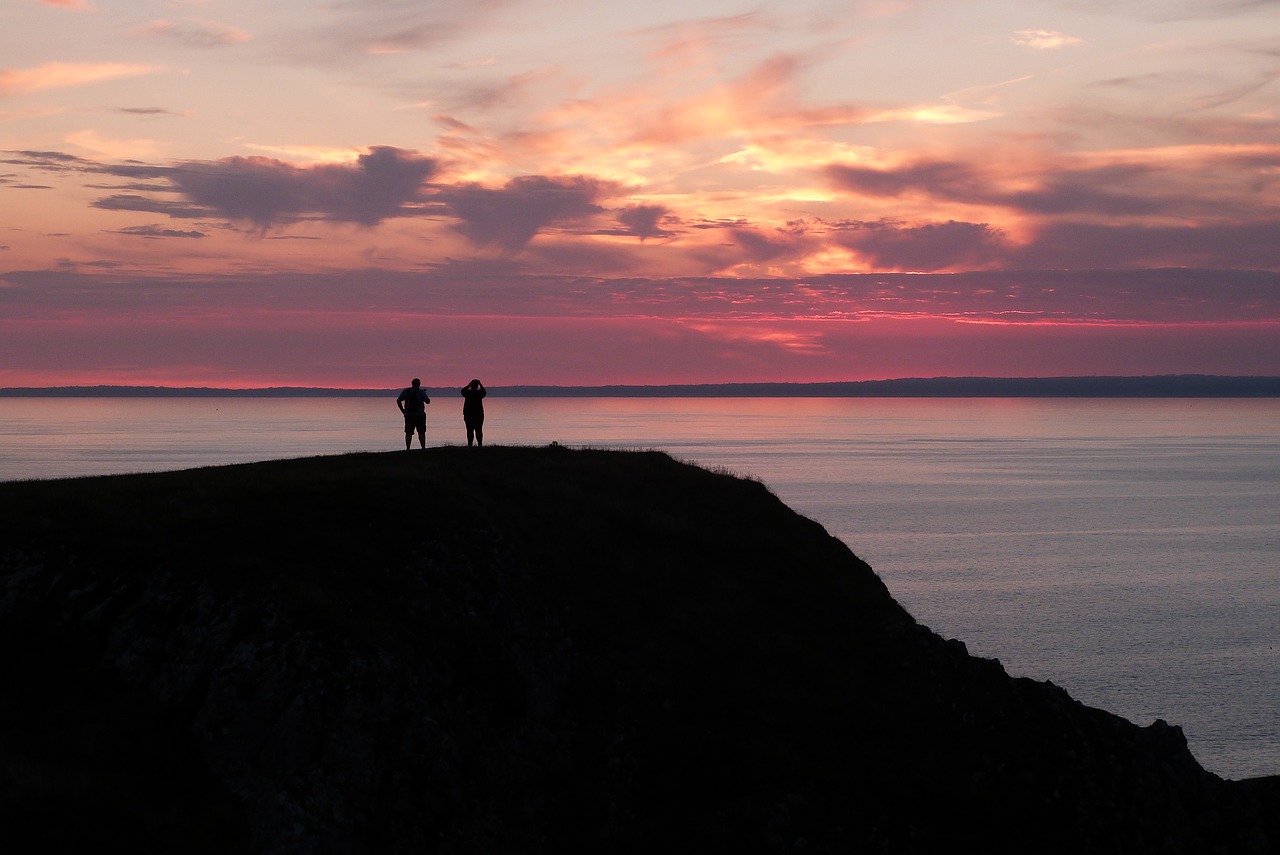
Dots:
pixel 400 404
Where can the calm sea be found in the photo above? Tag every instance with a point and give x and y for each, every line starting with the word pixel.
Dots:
pixel 1127 550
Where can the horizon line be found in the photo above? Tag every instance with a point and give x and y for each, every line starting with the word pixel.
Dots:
pixel 1158 385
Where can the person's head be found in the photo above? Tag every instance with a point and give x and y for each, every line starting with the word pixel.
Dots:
pixel 416 382
pixel 475 384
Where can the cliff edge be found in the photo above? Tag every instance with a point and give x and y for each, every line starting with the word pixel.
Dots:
pixel 527 650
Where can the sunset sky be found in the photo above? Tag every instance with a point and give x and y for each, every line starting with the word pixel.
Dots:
pixel 350 193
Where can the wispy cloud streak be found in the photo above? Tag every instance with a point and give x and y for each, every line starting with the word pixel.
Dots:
pixel 60 75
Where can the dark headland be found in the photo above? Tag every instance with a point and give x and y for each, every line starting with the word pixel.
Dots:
pixel 527 650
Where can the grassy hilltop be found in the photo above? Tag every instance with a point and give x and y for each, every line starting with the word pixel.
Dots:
pixel 520 650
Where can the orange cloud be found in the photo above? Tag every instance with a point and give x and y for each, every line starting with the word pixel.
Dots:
pixel 114 148
pixel 1044 39
pixel 60 75
pixel 789 338
pixel 749 104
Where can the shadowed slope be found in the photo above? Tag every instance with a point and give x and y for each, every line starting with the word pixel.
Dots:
pixel 527 650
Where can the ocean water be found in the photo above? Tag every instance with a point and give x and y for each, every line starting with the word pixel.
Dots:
pixel 1127 550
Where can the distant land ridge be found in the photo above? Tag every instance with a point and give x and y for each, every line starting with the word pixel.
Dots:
pixel 1151 386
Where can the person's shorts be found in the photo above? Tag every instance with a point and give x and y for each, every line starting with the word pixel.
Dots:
pixel 473 419
pixel 415 421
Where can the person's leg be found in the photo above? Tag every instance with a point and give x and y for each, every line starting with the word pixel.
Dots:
pixel 408 434
pixel 480 434
pixel 422 436
pixel 471 434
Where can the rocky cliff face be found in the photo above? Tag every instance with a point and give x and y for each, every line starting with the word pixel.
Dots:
pixel 524 651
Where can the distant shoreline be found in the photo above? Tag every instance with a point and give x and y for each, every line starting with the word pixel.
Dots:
pixel 1158 386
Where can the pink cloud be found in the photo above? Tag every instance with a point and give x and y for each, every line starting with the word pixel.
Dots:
pixel 1118 214
pixel 644 221
pixel 351 329
pixel 767 246
pixel 347 33
pixel 153 232
pixel 1125 188
pixel 151 205
pixel 383 183
pixel 943 178
pixel 1228 246
pixel 196 33
pixel 929 247
pixel 509 217
pixel 1133 297
pixel 381 349
pixel 1113 190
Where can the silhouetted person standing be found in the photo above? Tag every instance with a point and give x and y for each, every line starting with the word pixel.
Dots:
pixel 473 411
pixel 413 406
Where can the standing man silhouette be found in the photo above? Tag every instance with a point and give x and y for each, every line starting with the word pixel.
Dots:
pixel 412 403
pixel 473 411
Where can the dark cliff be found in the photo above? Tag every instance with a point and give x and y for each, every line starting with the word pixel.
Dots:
pixel 516 650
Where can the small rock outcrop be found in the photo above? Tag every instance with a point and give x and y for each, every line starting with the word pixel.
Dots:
pixel 518 650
